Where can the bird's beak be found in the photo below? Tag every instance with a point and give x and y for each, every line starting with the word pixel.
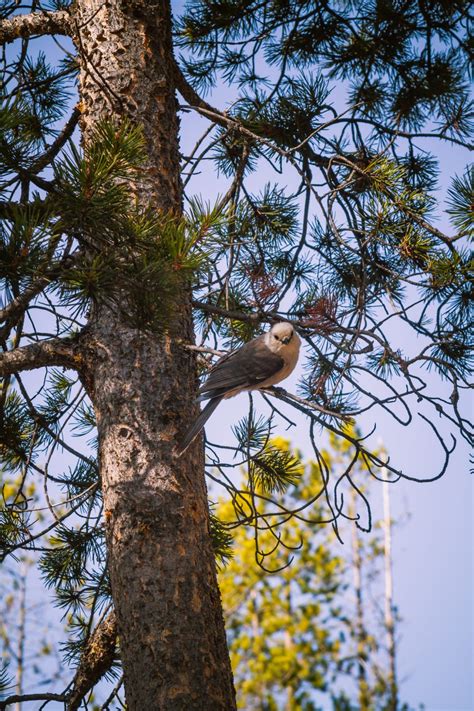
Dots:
pixel 287 340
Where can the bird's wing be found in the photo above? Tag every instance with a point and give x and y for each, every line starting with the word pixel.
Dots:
pixel 244 368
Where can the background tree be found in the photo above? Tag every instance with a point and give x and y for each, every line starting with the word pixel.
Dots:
pixel 282 626
pixel 102 275
pixel 371 620
pixel 312 631
pixel 26 649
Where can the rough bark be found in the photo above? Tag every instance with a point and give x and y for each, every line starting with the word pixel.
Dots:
pixel 96 660
pixel 161 563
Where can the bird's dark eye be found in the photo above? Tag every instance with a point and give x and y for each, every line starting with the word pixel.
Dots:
pixel 276 337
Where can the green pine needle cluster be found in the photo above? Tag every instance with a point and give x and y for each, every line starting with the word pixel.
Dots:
pixel 221 539
pixel 135 258
pixel 273 470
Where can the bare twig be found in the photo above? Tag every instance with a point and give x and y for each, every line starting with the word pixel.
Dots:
pixel 19 698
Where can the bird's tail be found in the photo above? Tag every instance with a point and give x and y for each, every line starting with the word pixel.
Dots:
pixel 199 424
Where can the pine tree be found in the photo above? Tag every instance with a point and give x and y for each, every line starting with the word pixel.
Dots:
pixel 104 273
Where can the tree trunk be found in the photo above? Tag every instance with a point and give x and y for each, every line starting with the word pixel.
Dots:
pixel 142 386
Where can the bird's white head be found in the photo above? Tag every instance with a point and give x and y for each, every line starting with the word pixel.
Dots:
pixel 282 336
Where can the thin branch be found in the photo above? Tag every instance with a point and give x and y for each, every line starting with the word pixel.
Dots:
pixel 52 150
pixel 193 98
pixel 36 23
pixel 112 695
pixel 254 318
pixel 18 305
pixel 19 698
pixel 289 398
pixel 204 349
pixel 399 133
pixel 10 313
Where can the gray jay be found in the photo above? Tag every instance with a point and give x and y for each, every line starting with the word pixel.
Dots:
pixel 263 361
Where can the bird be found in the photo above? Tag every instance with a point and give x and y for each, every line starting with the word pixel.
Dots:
pixel 265 360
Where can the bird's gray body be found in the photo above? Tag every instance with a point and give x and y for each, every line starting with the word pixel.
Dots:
pixel 260 363
pixel 247 368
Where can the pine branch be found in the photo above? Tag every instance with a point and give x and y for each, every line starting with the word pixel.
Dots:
pixel 26 544
pixel 41 420
pixel 18 698
pixel 403 134
pixel 51 152
pixel 10 313
pixel 25 174
pixel 290 399
pixel 54 351
pixel 254 318
pixel 39 206
pixel 18 305
pixel 343 160
pixel 96 660
pixel 36 23
pixel 218 117
pixel 193 98
pixel 230 122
